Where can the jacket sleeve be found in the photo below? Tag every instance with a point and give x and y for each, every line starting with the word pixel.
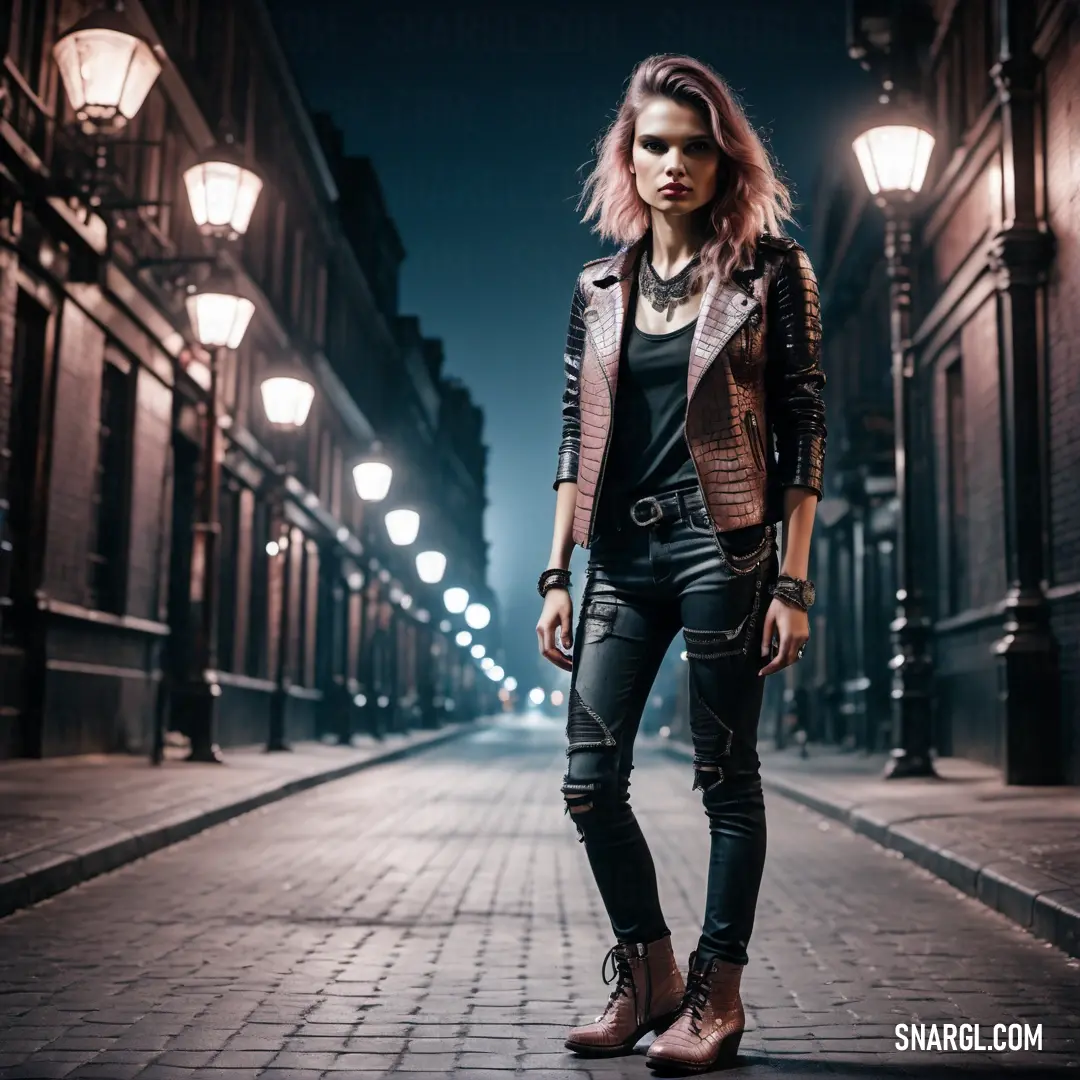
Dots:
pixel 794 378
pixel 570 444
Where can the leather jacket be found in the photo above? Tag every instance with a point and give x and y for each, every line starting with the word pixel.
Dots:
pixel 755 416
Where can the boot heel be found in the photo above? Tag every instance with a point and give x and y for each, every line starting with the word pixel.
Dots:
pixel 729 1050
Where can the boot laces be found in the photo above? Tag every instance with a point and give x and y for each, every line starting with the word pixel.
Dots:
pixel 620 974
pixel 695 997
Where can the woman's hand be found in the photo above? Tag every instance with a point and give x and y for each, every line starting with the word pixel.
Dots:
pixel 554 625
pixel 792 626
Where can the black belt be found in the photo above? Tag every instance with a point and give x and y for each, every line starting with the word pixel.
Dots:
pixel 651 510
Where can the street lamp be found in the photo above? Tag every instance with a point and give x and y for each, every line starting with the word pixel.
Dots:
pixel 477 651
pixel 463 638
pixel 487 663
pixel 510 683
pixel 218 316
pixel 222 192
pixel 287 402
pixel 402 526
pixel 894 158
pixel 430 566
pixel 456 600
pixel 496 673
pixel 107 70
pixel 372 478
pixel 477 616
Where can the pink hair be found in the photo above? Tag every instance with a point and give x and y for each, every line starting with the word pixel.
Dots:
pixel 749 199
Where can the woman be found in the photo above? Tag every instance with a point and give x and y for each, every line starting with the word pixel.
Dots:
pixel 692 423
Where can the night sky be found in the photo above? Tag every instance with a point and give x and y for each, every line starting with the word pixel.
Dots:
pixel 480 120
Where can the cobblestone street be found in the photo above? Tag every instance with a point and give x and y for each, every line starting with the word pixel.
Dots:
pixel 435 916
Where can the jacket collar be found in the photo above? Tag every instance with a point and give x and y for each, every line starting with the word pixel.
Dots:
pixel 725 306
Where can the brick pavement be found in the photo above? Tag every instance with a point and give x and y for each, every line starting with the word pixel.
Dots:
pixel 65 820
pixel 435 916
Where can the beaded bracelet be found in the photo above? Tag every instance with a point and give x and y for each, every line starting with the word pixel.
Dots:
pixel 554 578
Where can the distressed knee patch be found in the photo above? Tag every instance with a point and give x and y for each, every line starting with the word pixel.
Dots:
pixel 585 730
pixel 712 740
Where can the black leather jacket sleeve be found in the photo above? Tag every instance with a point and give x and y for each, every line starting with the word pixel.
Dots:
pixel 570 444
pixel 793 376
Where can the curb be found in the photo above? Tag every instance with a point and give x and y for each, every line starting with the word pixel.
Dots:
pixel 52 872
pixel 1040 904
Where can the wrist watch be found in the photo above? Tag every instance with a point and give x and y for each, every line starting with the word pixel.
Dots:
pixel 795 591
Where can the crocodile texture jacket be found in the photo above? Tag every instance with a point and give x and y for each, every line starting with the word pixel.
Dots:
pixel 755 417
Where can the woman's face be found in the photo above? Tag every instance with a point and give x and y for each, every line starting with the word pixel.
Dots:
pixel 675 160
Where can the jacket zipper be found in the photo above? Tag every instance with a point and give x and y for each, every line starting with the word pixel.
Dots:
pixel 756 445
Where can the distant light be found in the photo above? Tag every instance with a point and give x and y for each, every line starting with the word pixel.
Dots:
pixel 356 580
pixel 665 732
pixel 359 701
pixel 477 616
pixel 496 674
pixel 557 697
pixel 536 696
pixel 430 566
pixel 402 526
pixel 456 600
pixel 682 655
pixel 272 547
pixel 406 602
pixel 487 663
pixel 445 626
pixel 510 683
pixel 463 637
pixel 477 651
pixel 372 480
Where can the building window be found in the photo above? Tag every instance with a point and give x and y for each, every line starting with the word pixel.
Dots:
pixel 112 482
pixel 16 552
pixel 28 44
pixel 956 466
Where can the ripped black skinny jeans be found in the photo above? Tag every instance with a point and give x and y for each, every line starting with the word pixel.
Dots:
pixel 644 585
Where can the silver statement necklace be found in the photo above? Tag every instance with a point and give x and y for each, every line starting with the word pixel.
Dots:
pixel 665 294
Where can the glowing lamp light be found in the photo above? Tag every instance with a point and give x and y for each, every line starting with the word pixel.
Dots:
pixel 496 673
pixel 536 696
pixel 222 193
pixel 487 664
pixel 430 566
pixel 456 600
pixel 445 626
pixel 287 400
pixel 463 638
pixel 107 70
pixel 477 616
pixel 894 157
pixel 217 316
pixel 372 480
pixel 556 698
pixel 477 651
pixel 510 683
pixel 402 525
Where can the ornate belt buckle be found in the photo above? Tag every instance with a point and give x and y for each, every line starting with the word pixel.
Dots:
pixel 656 511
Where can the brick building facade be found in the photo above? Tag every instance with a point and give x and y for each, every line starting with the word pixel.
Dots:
pixel 103 402
pixel 992 446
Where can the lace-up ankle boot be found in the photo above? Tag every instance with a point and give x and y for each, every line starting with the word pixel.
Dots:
pixel 708 1028
pixel 648 989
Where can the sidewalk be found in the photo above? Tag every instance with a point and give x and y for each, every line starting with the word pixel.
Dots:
pixel 65 820
pixel 1016 849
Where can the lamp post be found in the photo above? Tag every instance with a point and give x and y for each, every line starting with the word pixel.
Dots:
pixel 219 319
pixel 894 157
pixel 287 403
